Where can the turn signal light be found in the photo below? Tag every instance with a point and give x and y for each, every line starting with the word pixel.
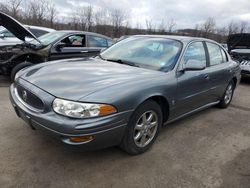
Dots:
pixel 107 109
pixel 81 139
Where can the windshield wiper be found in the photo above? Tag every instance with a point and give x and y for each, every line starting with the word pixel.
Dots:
pixel 101 57
pixel 123 62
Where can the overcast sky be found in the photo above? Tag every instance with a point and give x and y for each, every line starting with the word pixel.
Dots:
pixel 187 13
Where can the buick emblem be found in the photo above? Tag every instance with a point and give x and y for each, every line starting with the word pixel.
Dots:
pixel 24 95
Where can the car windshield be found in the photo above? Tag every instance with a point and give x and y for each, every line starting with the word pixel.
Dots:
pixel 48 38
pixel 147 52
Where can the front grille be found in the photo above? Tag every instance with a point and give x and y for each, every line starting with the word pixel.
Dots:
pixel 29 98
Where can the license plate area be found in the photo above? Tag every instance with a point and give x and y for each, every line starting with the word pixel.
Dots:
pixel 24 117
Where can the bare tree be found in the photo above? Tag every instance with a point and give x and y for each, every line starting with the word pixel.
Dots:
pixel 36 12
pixel 208 27
pixel 170 25
pixel 4 8
pixel 243 27
pixel 149 26
pixel 89 17
pixel 74 21
pixel 221 34
pixel 102 17
pixel 197 32
pixel 117 17
pixel 14 7
pixel 162 27
pixel 232 28
pixel 51 13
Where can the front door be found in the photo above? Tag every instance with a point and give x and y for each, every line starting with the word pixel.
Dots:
pixel 72 46
pixel 193 85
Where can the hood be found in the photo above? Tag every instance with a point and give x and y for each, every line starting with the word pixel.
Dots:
pixel 74 79
pixel 15 27
pixel 238 41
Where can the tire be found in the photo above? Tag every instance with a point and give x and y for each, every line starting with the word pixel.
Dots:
pixel 227 96
pixel 17 68
pixel 141 134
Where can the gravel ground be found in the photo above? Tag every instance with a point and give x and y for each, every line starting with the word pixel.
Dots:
pixel 208 149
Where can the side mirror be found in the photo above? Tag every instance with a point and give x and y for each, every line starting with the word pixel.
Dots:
pixel 193 65
pixel 60 45
pixel 2 36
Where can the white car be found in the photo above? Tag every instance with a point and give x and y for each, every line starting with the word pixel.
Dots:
pixel 7 38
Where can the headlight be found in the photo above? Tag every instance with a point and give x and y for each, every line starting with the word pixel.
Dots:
pixel 81 110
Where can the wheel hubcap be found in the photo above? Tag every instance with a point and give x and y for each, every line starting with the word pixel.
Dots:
pixel 228 94
pixel 145 128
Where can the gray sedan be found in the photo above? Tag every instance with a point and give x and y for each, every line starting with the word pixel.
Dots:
pixel 128 93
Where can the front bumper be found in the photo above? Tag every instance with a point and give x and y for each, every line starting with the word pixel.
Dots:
pixel 106 131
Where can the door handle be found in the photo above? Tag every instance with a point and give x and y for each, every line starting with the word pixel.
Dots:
pixel 206 76
pixel 84 51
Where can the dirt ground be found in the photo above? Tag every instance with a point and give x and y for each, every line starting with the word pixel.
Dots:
pixel 208 149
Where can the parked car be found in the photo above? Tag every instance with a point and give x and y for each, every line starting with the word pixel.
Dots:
pixel 239 49
pixel 51 46
pixel 124 97
pixel 7 38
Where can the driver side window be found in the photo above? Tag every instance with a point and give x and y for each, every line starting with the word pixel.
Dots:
pixel 75 41
pixel 196 52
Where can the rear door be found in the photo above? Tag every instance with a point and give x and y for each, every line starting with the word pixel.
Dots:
pixel 95 44
pixel 219 70
pixel 192 87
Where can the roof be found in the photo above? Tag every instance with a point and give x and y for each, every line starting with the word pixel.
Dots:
pixel 177 37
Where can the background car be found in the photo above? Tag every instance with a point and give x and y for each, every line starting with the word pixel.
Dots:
pixel 7 38
pixel 124 97
pixel 239 49
pixel 51 46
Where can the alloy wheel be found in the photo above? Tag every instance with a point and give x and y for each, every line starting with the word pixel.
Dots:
pixel 145 128
pixel 228 94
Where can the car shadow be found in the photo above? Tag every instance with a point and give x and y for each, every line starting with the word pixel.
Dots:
pixel 4 81
pixel 245 81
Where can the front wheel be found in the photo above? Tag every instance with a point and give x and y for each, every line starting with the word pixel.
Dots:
pixel 143 128
pixel 228 95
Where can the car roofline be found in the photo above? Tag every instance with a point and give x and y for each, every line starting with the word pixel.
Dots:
pixel 82 32
pixel 176 37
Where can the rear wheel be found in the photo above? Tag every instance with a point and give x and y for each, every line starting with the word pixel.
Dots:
pixel 143 128
pixel 18 68
pixel 228 95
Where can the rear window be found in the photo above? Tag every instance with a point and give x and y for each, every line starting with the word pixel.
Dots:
pixel 38 32
pixel 215 55
pixel 224 56
pixel 94 41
